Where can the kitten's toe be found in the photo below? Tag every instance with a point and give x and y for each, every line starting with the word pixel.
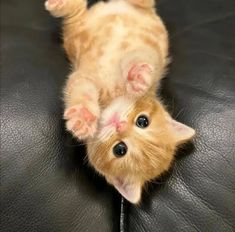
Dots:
pixel 80 121
pixel 54 5
pixel 139 78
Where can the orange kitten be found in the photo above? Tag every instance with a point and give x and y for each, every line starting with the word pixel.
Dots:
pixel 119 53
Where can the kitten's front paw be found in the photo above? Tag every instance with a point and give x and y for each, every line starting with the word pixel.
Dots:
pixel 139 78
pixel 54 5
pixel 80 121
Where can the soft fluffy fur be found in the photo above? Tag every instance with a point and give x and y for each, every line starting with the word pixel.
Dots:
pixel 119 53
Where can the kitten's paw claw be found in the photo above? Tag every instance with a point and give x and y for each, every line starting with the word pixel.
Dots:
pixel 80 121
pixel 53 5
pixel 139 78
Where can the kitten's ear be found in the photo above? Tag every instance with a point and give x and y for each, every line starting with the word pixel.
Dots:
pixel 182 132
pixel 129 190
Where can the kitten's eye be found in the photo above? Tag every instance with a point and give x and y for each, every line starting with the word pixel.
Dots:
pixel 142 121
pixel 120 149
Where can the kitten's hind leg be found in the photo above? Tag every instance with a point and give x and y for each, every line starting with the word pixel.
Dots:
pixel 82 107
pixel 66 8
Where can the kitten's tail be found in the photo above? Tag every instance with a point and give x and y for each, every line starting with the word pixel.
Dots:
pixel 143 3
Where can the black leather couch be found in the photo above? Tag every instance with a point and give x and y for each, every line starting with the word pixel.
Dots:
pixel 46 184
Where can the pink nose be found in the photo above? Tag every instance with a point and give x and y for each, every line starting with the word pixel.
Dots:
pixel 121 126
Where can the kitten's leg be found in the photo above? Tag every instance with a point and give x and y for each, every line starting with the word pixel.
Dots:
pixel 141 70
pixel 74 13
pixel 66 8
pixel 82 107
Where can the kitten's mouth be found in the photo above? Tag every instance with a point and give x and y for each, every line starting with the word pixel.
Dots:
pixel 114 118
pixel 116 122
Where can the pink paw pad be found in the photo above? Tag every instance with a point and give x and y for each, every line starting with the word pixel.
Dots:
pixel 80 121
pixel 54 4
pixel 138 77
pixel 88 116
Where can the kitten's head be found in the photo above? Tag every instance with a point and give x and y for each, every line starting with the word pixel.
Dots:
pixel 135 143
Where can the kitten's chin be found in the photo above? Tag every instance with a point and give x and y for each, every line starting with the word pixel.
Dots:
pixel 114 116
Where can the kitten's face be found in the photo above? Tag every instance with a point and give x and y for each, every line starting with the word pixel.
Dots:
pixel 135 143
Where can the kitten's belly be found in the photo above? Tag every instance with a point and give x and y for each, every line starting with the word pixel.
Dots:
pixel 117 28
pixel 113 36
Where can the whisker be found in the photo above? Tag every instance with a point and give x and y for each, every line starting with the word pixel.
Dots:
pixel 158 182
pixel 180 112
pixel 85 160
pixel 91 143
pixel 74 145
pixel 82 144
